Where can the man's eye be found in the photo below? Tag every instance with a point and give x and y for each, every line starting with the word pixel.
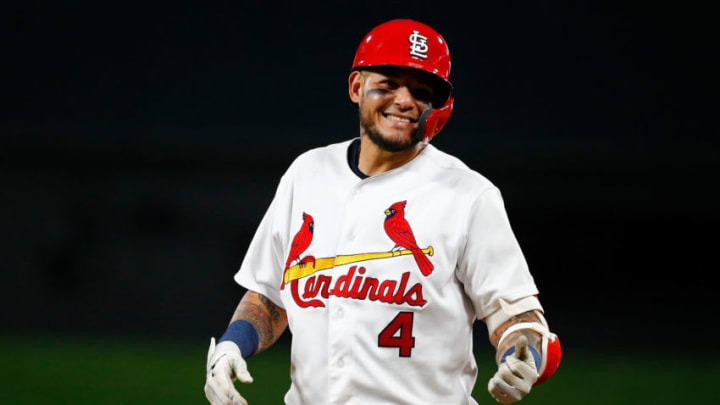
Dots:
pixel 423 95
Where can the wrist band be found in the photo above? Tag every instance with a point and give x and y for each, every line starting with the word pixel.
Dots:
pixel 243 334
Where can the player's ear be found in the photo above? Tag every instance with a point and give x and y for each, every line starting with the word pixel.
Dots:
pixel 356 82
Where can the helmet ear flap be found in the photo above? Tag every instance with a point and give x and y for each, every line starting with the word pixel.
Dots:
pixel 432 120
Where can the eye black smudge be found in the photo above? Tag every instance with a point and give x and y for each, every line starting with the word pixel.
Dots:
pixel 379 92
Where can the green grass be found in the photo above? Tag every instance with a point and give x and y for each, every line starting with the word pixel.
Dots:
pixel 86 371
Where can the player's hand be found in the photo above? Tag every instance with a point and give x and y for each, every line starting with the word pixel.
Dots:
pixel 225 365
pixel 515 376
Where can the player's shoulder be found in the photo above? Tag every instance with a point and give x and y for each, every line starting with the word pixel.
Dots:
pixel 337 150
pixel 455 171
pixel 320 158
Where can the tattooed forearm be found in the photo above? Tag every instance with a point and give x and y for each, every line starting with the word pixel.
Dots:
pixel 529 316
pixel 255 314
pixel 534 338
pixel 268 319
pixel 271 308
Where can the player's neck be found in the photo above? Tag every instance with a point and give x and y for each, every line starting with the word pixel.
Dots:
pixel 373 160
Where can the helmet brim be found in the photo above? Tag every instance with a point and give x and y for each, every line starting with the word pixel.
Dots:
pixel 442 88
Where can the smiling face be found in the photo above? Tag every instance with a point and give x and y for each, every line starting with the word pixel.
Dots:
pixel 390 101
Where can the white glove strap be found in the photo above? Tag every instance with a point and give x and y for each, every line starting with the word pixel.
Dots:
pixel 225 347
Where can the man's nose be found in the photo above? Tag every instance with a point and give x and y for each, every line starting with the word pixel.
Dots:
pixel 404 98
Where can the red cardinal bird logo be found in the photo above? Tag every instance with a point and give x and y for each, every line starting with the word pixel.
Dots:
pixel 398 229
pixel 300 243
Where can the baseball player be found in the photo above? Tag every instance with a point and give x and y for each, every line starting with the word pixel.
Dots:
pixel 380 252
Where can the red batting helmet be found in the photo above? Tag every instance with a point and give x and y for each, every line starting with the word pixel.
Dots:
pixel 408 43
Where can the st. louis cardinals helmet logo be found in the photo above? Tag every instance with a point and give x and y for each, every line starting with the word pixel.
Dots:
pixel 418 45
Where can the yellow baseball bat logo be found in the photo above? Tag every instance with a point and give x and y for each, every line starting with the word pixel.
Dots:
pixel 299 271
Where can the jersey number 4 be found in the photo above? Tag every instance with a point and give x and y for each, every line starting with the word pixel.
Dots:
pixel 398 334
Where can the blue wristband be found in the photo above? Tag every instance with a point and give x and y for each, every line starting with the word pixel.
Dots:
pixel 243 334
pixel 532 350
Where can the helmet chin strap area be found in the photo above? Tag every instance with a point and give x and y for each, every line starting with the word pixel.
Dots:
pixel 432 120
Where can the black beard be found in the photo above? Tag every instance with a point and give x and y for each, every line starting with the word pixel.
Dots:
pixel 368 128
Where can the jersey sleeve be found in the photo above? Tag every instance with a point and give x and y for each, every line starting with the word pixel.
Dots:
pixel 262 268
pixel 492 265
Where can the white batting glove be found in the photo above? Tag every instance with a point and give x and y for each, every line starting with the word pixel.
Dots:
pixel 225 365
pixel 515 376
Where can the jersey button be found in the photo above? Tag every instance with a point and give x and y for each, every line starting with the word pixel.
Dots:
pixel 340 363
pixel 351 237
pixel 339 313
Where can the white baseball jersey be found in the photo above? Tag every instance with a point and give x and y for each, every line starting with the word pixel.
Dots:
pixel 383 277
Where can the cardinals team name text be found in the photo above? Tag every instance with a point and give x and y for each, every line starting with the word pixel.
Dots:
pixel 356 286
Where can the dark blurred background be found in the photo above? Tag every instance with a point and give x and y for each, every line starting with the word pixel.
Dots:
pixel 141 144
